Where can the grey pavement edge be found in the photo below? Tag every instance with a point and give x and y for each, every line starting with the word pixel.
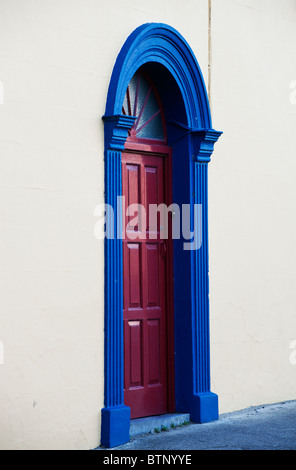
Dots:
pixel 267 427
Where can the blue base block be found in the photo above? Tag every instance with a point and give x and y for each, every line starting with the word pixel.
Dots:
pixel 204 408
pixel 115 426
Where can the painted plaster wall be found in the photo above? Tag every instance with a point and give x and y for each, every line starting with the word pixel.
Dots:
pixel 56 60
pixel 252 202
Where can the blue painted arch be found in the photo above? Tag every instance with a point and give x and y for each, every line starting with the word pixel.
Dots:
pixel 165 53
pixel 160 43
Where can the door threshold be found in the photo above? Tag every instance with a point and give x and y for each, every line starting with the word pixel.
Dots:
pixel 152 424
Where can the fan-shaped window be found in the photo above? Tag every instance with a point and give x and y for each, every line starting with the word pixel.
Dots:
pixel 141 100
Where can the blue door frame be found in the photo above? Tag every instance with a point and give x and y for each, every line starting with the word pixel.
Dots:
pixel 192 138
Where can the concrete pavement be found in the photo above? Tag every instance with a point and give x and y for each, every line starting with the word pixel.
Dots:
pixel 269 427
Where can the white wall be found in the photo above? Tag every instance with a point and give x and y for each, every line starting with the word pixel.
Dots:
pixel 252 202
pixel 56 60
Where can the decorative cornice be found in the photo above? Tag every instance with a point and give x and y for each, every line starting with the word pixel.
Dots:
pixel 202 140
pixel 116 130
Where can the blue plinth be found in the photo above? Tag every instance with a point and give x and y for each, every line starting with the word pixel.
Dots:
pixel 204 408
pixel 115 426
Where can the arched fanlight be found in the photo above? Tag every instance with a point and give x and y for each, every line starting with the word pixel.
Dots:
pixel 141 100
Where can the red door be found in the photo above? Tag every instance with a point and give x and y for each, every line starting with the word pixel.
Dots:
pixel 145 312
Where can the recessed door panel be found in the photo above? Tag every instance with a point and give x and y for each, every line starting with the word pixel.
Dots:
pixel 153 281
pixel 154 338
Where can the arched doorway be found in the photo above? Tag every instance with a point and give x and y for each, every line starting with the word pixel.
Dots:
pixel 162 54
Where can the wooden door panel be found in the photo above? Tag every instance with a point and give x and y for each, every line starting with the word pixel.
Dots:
pixel 154 351
pixel 153 281
pixel 135 357
pixel 145 342
pixel 133 288
pixel 152 182
pixel 132 193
